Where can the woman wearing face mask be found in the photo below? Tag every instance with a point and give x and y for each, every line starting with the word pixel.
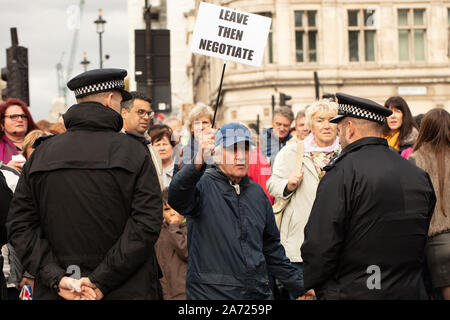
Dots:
pixel 15 123
pixel 400 129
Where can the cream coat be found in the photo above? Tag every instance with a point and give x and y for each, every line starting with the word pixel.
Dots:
pixel 297 211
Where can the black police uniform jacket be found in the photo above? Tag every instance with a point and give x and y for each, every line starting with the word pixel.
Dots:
pixel 88 202
pixel 366 233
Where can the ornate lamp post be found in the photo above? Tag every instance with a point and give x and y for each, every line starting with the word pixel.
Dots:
pixel 100 23
pixel 85 62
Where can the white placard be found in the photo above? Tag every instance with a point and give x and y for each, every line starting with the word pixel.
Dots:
pixel 229 34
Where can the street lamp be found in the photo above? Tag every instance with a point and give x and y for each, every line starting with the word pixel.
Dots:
pixel 100 29
pixel 85 62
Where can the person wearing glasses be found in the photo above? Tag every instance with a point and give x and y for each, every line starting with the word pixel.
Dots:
pixel 137 116
pixel 15 123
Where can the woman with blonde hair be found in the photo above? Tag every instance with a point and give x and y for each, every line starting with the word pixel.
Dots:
pixel 29 141
pixel 432 154
pixel 317 149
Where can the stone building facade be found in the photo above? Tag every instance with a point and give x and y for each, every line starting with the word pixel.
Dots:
pixel 373 49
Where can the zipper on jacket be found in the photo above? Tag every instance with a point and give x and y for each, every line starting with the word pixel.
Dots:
pixel 237 188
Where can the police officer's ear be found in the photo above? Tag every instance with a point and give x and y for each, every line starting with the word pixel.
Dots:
pixel 113 100
pixel 124 112
pixel 107 99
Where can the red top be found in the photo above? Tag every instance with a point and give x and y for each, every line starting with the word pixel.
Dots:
pixel 259 170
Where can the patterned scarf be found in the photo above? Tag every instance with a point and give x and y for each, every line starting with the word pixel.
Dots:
pixel 321 156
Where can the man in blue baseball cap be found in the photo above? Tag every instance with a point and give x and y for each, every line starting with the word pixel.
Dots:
pixel 233 241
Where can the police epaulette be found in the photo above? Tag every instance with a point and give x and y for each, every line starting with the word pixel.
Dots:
pixel 40 140
pixel 333 162
pixel 139 137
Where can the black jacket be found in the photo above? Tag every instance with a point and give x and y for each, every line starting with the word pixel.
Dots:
pixel 233 240
pixel 5 199
pixel 372 210
pixel 89 199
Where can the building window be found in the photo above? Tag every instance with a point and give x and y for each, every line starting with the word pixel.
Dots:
pixel 411 34
pixel 305 36
pixel 269 52
pixel 361 35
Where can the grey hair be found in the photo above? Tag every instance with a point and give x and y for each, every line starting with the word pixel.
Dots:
pixel 285 112
pixel 199 110
pixel 300 114
pixel 127 105
pixel 323 105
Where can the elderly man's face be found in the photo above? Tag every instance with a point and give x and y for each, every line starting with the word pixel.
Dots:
pixel 281 126
pixel 234 161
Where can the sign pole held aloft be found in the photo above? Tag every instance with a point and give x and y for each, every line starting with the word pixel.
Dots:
pixel 218 93
pixel 231 35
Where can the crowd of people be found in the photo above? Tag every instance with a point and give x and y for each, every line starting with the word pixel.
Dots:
pixel 108 204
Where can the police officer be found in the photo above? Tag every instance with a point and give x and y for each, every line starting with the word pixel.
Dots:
pixel 88 203
pixel 366 234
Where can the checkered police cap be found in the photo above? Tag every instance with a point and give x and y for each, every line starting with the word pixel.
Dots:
pixel 99 87
pixel 99 80
pixel 351 106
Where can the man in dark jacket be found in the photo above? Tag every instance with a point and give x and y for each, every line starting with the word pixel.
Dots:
pixel 5 199
pixel 233 240
pixel 366 235
pixel 275 138
pixel 89 202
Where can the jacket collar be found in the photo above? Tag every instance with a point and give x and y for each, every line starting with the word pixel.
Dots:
pixel 355 146
pixel 270 135
pixel 217 173
pixel 92 115
pixel 364 142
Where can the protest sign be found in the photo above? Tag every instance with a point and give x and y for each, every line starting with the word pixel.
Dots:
pixel 230 34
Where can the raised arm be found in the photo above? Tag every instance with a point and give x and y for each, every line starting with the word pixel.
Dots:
pixel 183 190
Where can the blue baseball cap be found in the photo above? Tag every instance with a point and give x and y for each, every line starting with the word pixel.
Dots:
pixel 231 134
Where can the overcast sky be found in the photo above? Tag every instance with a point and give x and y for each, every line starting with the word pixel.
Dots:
pixel 46 28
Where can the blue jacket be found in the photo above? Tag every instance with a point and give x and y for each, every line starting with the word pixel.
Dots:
pixel 232 238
